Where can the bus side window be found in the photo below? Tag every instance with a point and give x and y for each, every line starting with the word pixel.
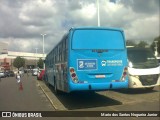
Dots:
pixel 66 49
pixel 56 55
pixel 61 49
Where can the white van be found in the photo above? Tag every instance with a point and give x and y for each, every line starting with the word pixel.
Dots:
pixel 143 68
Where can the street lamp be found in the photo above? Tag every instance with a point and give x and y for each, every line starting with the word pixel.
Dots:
pixel 36 56
pixel 98 16
pixel 156 47
pixel 43 41
pixel 43 49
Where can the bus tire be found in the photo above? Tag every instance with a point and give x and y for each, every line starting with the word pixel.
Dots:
pixel 149 89
pixel 56 91
pixel 46 81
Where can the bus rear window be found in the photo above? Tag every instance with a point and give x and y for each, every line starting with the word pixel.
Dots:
pixel 97 39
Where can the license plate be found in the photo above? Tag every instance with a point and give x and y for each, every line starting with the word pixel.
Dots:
pixel 100 76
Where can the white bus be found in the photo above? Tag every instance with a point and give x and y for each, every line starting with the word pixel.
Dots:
pixel 143 69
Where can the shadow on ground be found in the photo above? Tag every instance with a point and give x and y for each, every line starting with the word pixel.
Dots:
pixel 84 100
pixel 137 91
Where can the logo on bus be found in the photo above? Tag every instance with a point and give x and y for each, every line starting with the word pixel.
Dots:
pixel 103 63
pixel 112 63
pixel 87 64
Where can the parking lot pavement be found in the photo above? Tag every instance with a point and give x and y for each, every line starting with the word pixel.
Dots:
pixel 116 100
pixel 30 98
pixel 131 96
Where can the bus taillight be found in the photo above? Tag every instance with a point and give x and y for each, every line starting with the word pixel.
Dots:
pixel 71 70
pixel 73 75
pixel 124 74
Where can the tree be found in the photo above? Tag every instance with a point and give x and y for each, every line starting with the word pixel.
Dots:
pixel 40 63
pixel 19 62
pixel 142 44
pixel 130 43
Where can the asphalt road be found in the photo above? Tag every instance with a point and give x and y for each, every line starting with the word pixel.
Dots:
pixel 31 98
pixel 36 96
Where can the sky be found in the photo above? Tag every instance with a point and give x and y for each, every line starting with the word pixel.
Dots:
pixel 23 21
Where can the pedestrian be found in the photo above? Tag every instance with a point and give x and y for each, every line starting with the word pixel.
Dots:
pixel 18 77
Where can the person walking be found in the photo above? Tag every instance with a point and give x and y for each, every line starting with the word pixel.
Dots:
pixel 18 77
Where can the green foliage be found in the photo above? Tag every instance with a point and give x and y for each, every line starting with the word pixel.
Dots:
pixel 40 63
pixel 142 44
pixel 130 43
pixel 19 62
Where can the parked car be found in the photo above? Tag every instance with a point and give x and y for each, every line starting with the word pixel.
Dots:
pixel 6 74
pixel 2 75
pixel 21 72
pixel 35 72
pixel 40 75
pixel 11 74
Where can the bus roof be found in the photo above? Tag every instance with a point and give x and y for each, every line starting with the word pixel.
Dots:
pixel 87 28
pixel 94 27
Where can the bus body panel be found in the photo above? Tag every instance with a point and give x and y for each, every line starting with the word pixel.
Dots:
pixel 144 78
pixel 149 71
pixel 97 86
pixel 109 65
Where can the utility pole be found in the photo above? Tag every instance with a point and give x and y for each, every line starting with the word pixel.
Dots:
pixel 156 47
pixel 43 50
pixel 98 14
pixel 36 56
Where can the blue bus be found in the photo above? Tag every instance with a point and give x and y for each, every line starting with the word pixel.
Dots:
pixel 88 58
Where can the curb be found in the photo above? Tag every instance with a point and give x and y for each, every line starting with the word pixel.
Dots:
pixel 51 97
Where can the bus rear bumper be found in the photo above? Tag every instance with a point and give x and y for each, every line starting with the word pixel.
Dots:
pixel 98 86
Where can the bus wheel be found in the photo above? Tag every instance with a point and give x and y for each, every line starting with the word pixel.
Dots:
pixel 149 89
pixel 46 81
pixel 56 91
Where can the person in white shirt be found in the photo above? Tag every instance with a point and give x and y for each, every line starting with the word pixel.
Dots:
pixel 18 77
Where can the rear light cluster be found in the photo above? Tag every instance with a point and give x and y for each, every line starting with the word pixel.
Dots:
pixel 73 75
pixel 124 74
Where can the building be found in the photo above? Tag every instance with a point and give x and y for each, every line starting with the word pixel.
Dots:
pixel 7 58
pixel 3 48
